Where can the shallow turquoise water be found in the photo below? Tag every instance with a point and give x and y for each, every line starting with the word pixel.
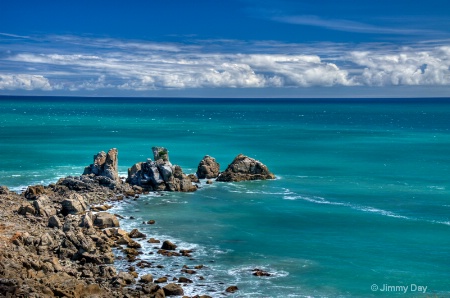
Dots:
pixel 362 195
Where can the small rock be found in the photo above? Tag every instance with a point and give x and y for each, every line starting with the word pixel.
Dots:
pixel 136 234
pixel 231 289
pixel 54 222
pixel 167 245
pixel 148 278
pixel 161 280
pixel 184 280
pixel 151 222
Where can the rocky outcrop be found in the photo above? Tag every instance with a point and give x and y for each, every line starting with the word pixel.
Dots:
pixel 4 190
pixel 105 220
pixel 105 165
pixel 160 174
pixel 208 168
pixel 245 168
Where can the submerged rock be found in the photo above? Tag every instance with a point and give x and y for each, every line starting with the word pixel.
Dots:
pixel 105 164
pixel 208 168
pixel 245 168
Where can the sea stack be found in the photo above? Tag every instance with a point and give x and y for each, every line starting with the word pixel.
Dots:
pixel 245 168
pixel 105 164
pixel 159 174
pixel 208 168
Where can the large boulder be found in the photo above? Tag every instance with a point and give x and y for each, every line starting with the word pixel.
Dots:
pixel 105 164
pixel 173 290
pixel 106 220
pixel 75 204
pixel 208 168
pixel 245 168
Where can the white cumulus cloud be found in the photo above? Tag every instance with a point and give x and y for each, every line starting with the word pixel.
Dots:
pixel 24 81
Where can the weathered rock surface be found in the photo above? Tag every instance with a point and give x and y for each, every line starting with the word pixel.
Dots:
pixel 4 190
pixel 208 168
pixel 160 174
pixel 245 168
pixel 105 220
pixel 75 204
pixel 173 290
pixel 105 164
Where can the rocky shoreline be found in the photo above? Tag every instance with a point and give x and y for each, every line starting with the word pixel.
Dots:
pixel 59 240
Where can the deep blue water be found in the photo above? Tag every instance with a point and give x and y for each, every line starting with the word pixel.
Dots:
pixel 362 194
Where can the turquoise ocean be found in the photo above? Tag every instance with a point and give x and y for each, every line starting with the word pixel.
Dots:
pixel 360 206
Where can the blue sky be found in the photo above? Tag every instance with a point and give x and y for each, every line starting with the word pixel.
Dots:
pixel 274 48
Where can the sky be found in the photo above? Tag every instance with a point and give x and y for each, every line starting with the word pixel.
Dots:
pixel 226 48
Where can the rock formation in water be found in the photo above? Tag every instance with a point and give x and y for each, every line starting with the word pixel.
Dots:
pixel 159 174
pixel 245 168
pixel 208 168
pixel 105 164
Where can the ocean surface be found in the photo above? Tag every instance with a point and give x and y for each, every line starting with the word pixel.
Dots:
pixel 360 206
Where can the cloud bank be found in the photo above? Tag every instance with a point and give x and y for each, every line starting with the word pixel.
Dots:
pixel 70 63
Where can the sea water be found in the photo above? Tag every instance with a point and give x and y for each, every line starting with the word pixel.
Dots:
pixel 360 206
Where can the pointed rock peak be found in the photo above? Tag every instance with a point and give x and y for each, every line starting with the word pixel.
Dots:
pixel 160 153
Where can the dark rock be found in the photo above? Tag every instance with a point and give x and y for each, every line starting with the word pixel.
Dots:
pixel 173 290
pixel 231 289
pixel 33 192
pixel 151 222
pixel 245 168
pixel 153 240
pixel 26 208
pixel 106 220
pixel 259 272
pixel 209 182
pixel 208 168
pixel 136 234
pixel 54 222
pixel 167 245
pixel 184 280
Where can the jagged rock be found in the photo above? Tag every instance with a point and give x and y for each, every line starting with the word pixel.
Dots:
pixel 106 220
pixel 173 290
pixel 160 153
pixel 167 245
pixel 33 192
pixel 54 222
pixel 105 164
pixel 208 168
pixel 4 190
pixel 160 174
pixel 245 168
pixel 86 221
pixel 42 206
pixel 75 204
pixel 26 208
